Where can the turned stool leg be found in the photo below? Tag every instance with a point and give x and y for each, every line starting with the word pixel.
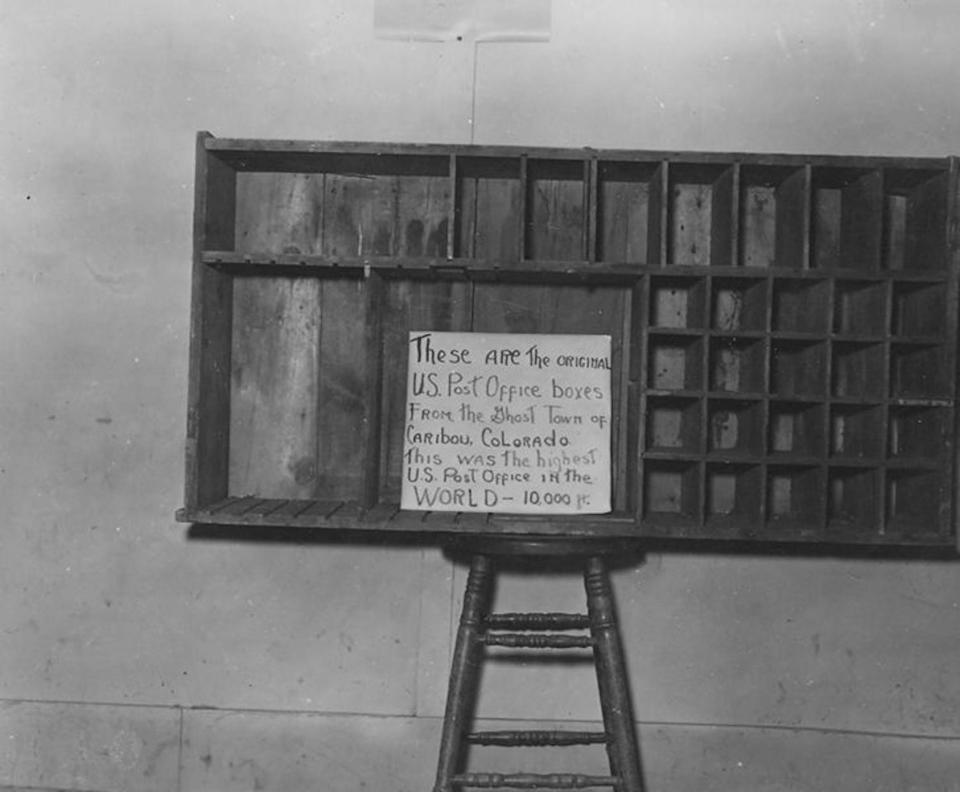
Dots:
pixel 464 672
pixel 612 677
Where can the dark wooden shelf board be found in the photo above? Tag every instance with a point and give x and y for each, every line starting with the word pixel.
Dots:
pixel 434 268
pixel 350 515
pixel 248 146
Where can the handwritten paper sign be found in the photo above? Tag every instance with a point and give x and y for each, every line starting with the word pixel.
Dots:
pixel 503 422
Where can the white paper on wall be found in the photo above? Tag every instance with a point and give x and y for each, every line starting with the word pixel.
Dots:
pixel 472 20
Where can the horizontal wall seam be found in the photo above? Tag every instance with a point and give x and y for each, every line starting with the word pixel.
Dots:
pixel 185 709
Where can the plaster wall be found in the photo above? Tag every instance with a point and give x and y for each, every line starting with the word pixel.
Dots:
pixel 133 658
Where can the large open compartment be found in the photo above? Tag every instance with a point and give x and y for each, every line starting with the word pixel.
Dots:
pixel 784 331
pixel 318 375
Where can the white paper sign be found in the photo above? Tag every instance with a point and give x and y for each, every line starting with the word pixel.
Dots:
pixel 501 422
pixel 474 20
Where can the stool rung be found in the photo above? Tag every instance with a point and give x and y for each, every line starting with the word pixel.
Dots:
pixel 533 781
pixel 525 738
pixel 537 621
pixel 526 641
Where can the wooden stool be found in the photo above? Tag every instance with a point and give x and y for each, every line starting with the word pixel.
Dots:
pixel 479 628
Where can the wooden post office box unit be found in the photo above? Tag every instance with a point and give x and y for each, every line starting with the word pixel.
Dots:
pixel 784 330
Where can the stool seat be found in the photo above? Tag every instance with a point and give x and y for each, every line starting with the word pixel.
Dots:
pixel 540 546
pixel 543 631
